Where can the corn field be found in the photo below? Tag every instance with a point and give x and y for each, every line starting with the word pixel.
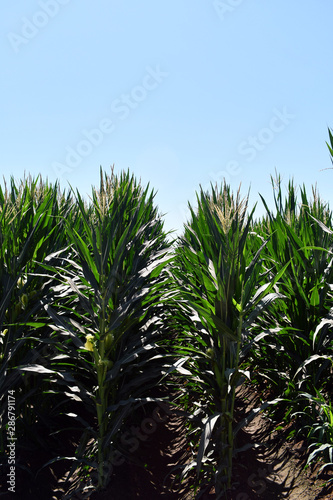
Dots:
pixel 99 309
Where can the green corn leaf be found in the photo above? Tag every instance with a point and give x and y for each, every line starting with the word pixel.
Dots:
pixel 209 425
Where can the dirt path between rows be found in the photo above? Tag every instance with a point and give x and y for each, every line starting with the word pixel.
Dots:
pixel 272 469
pixel 275 467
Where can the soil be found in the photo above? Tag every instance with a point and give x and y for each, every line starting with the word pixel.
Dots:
pixel 273 469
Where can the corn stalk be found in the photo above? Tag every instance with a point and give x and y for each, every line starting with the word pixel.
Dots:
pixel 106 312
pixel 219 278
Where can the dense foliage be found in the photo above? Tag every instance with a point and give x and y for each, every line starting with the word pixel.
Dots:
pixel 98 308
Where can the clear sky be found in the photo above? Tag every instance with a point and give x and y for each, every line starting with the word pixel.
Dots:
pixel 180 92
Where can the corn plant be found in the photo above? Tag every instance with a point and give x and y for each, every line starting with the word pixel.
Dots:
pixel 29 228
pixel 108 314
pixel 301 334
pixel 316 413
pixel 330 145
pixel 221 281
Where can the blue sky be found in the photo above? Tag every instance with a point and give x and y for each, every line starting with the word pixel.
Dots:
pixel 181 93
